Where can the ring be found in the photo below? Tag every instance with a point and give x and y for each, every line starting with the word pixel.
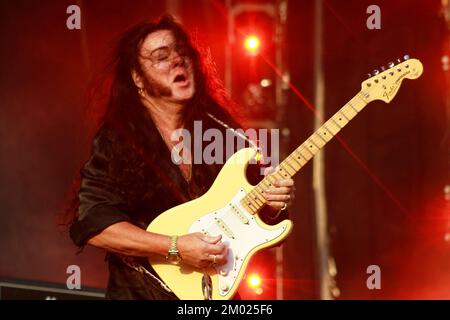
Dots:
pixel 214 259
pixel 284 206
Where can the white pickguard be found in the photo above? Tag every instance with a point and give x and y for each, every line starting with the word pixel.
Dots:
pixel 246 236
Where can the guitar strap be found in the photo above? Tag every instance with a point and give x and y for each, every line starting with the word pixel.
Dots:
pixel 130 262
pixel 133 264
pixel 235 132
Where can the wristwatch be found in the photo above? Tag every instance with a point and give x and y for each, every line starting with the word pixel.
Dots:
pixel 173 255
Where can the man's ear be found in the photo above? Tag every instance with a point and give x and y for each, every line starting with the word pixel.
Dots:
pixel 137 79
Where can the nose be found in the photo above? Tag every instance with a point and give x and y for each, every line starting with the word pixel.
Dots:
pixel 178 60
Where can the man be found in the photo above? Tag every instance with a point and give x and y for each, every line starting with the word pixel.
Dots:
pixel 160 84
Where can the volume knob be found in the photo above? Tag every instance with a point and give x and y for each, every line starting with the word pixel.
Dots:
pixel 224 287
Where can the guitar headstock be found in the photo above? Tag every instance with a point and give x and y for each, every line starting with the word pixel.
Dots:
pixel 384 85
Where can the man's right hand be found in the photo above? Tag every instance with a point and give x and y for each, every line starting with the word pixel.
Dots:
pixel 202 251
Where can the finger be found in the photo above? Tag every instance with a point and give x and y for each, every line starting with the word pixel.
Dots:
pixel 268 171
pixel 278 197
pixel 284 183
pixel 218 259
pixel 217 249
pixel 277 205
pixel 212 240
pixel 279 190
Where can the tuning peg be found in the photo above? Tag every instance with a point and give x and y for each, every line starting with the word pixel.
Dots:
pixel 369 75
pixel 406 57
pixel 383 68
pixel 391 64
pixel 375 72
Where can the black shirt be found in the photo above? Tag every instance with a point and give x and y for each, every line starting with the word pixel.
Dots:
pixel 122 182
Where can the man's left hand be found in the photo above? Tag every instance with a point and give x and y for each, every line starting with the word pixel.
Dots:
pixel 281 194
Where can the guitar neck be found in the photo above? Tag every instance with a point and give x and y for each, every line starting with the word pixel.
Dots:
pixel 255 199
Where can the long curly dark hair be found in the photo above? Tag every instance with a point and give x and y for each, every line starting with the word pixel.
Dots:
pixel 209 93
pixel 123 104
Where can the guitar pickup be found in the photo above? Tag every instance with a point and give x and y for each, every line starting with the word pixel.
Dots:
pixel 238 213
pixel 224 228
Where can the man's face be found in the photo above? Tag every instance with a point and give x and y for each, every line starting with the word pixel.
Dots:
pixel 167 67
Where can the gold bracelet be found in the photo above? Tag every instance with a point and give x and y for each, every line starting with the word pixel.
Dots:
pixel 278 213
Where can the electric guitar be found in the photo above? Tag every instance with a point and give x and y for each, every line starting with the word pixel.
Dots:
pixel 230 207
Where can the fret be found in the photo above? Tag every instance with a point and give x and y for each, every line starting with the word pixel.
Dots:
pixel 251 198
pixel 299 156
pixel 285 173
pixel 277 174
pixel 338 119
pixel 360 105
pixel 311 145
pixel 323 135
pixel 321 138
pixel 259 187
pixel 270 179
pixel 256 196
pixel 326 127
pixel 353 108
pixel 284 166
pixel 349 113
pixel 342 113
pixel 308 156
pixel 307 146
pixel 264 184
pixel 320 143
pixel 332 126
pixel 289 161
pixel 247 205
pixel 252 208
pixel 255 199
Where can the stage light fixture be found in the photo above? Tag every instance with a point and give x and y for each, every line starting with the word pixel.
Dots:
pixel 252 44
pixel 254 280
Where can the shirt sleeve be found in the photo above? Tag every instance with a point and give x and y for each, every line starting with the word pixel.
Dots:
pixel 100 202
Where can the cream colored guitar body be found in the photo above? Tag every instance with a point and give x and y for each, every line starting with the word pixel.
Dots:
pixel 222 209
pixel 218 211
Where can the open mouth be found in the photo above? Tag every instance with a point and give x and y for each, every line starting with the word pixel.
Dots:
pixel 181 78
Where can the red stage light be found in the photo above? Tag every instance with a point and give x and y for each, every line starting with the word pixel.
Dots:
pixel 254 280
pixel 252 44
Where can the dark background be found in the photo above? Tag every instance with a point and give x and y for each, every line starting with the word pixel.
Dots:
pixel 396 217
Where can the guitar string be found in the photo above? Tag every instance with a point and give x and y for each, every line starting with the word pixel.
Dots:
pixel 358 103
pixel 214 227
pixel 361 102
